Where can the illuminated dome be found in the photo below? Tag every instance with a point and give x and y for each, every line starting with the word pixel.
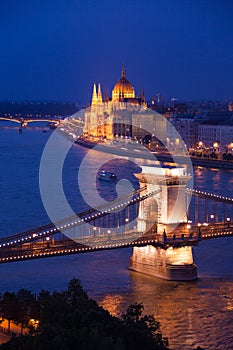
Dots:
pixel 123 88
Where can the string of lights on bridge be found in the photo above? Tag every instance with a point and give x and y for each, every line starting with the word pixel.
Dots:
pixel 85 249
pixel 216 235
pixel 95 214
pixel 215 197
pixel 82 249
pixel 34 236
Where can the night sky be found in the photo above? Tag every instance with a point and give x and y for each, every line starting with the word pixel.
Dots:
pixel 56 49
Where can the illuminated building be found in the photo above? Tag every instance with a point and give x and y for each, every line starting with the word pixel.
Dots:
pixel 187 126
pixel 212 134
pixel 146 122
pixel 123 89
pixel 108 118
pixel 230 107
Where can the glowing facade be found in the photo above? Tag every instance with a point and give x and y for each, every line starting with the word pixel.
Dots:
pixel 96 97
pixel 99 118
pixel 123 89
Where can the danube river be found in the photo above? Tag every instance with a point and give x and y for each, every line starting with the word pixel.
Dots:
pixel 191 314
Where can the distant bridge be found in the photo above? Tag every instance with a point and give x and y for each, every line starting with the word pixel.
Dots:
pixel 24 121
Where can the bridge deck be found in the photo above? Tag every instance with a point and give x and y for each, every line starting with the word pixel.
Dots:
pixel 43 249
pixel 48 240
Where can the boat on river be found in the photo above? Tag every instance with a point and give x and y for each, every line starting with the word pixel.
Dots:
pixel 106 176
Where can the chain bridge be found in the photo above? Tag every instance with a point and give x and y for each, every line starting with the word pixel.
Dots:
pixel 154 220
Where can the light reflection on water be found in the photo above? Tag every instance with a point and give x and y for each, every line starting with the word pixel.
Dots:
pixel 191 314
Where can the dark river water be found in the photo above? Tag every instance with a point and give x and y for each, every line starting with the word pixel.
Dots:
pixel 191 314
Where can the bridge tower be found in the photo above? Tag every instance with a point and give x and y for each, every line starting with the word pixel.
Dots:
pixel 164 215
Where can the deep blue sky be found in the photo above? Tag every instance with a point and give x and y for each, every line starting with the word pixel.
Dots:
pixel 56 49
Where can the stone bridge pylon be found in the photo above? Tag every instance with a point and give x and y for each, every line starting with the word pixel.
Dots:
pixel 164 215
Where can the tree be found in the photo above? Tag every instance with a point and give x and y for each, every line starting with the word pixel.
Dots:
pixel 133 313
pixel 144 330
pixel 9 307
pixel 27 307
pixel 71 320
pixel 75 293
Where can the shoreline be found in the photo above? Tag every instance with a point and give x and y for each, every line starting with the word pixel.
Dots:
pixel 162 157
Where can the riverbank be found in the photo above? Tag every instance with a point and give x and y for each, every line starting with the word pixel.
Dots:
pixel 196 161
pixel 131 149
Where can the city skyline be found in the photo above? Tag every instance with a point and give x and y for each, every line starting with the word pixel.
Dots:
pixel 56 51
pixel 116 126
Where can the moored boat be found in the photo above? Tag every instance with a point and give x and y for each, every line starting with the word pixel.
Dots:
pixel 107 176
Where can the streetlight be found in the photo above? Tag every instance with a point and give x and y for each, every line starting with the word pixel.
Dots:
pixel 126 226
pixel 199 229
pixel 34 323
pixel 230 146
pixel 228 222
pixel 200 144
pixel 212 217
pixel 216 146
pixel 188 227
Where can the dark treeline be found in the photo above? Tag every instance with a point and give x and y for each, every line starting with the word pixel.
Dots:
pixel 71 320
pixel 24 108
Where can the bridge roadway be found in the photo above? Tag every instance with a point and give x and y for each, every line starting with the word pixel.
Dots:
pixel 26 120
pixel 66 246
pixel 46 241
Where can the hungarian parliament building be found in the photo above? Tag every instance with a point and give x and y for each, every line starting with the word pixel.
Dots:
pixel 124 115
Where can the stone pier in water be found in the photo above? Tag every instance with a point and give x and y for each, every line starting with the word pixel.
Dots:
pixel 165 215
